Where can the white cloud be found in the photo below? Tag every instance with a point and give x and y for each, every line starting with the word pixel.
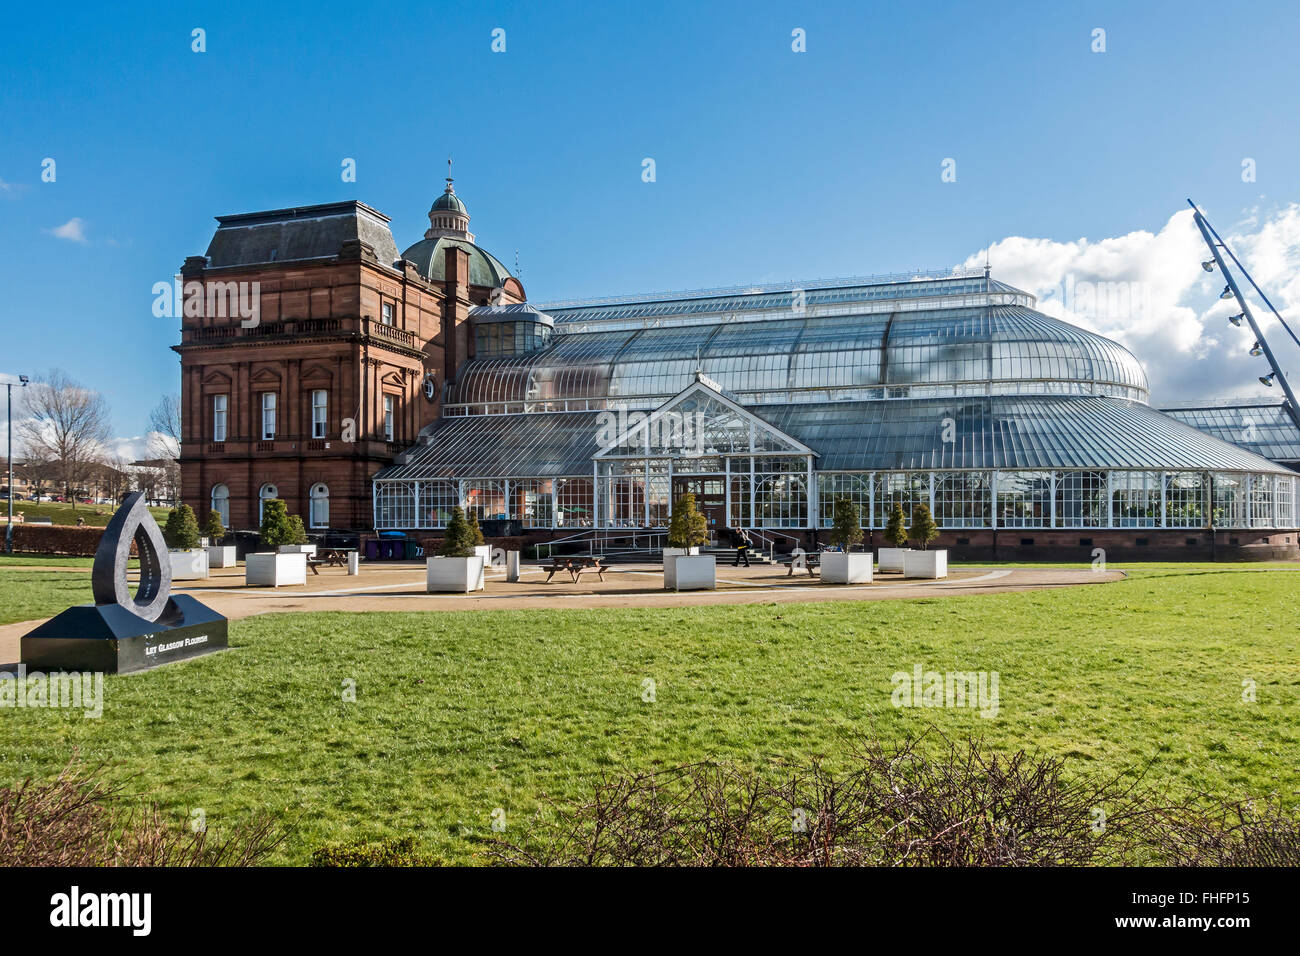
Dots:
pixel 74 229
pixel 1148 291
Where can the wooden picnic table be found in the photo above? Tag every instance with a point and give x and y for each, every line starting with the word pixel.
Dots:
pixel 575 566
pixel 330 557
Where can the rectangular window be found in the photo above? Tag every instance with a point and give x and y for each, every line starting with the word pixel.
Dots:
pixel 268 416
pixel 386 313
pixel 388 418
pixel 319 412
pixel 219 405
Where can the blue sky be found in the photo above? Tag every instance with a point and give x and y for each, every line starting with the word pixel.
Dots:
pixel 770 164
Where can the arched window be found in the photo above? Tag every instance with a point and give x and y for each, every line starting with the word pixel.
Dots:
pixel 221 503
pixel 267 492
pixel 320 506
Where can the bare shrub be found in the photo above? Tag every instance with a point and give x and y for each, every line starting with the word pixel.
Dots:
pixel 77 820
pixel 956 805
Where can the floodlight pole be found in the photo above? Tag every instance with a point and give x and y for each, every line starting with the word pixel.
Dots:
pixel 1293 407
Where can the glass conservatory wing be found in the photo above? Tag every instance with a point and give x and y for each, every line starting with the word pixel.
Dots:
pixel 545 445
pixel 699 421
pixel 1265 428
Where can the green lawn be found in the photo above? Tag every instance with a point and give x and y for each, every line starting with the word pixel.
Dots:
pixel 459 713
pixel 60 513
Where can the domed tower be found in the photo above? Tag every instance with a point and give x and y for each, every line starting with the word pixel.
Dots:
pixel 448 216
pixel 449 230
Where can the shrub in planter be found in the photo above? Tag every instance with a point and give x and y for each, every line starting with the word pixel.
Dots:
pixel 846 526
pixel 687 527
pixel 276 529
pixel 213 528
pixel 471 520
pixel 458 568
pixel 182 529
pixel 923 530
pixel 844 567
pixel 896 530
pixel 458 541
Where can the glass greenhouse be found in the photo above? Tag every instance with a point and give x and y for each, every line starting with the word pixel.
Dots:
pixel 770 403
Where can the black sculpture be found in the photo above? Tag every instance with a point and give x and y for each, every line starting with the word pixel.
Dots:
pixel 122 632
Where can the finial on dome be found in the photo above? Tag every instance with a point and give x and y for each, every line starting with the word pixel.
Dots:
pixel 450 187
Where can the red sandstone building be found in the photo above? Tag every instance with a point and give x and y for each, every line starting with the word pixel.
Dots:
pixel 342 359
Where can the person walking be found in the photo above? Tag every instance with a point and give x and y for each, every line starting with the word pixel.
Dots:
pixel 742 542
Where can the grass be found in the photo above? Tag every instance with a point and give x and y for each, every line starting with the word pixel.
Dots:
pixel 97 516
pixel 460 713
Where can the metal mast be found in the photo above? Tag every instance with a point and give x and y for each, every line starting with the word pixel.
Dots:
pixel 1216 244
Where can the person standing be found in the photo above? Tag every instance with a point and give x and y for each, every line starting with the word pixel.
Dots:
pixel 741 539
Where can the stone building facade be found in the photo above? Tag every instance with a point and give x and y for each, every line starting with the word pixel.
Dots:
pixel 312 353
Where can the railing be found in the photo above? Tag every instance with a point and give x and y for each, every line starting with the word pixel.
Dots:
pixel 768 538
pixel 598 540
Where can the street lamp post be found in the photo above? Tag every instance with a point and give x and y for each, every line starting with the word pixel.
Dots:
pixel 9 434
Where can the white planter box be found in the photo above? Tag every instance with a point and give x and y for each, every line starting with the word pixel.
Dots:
pixel 298 549
pixel 221 556
pixel 891 559
pixel 189 565
pixel 273 569
pixel 925 564
pixel 690 572
pixel 841 568
pixel 453 575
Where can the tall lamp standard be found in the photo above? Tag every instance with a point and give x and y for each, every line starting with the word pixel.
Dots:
pixel 9 433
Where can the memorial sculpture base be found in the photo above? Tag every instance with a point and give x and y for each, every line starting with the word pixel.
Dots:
pixel 112 639
pixel 121 632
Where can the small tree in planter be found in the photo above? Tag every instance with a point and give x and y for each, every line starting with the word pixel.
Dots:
pixel 687 528
pixel 924 530
pixel 456 568
pixel 276 529
pixel 182 536
pixel 476 533
pixel 458 539
pixel 213 528
pixel 896 530
pixel 842 567
pixel 297 533
pixel 846 527
pixel 182 529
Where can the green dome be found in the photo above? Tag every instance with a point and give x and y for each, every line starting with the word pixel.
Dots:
pixel 449 202
pixel 430 257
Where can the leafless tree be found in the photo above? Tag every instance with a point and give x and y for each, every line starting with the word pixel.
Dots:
pixel 66 424
pixel 165 428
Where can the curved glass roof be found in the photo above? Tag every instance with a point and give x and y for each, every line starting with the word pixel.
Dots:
pixel 992 349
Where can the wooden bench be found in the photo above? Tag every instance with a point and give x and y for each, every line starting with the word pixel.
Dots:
pixel 575 567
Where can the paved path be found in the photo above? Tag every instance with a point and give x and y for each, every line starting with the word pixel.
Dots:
pixel 400 587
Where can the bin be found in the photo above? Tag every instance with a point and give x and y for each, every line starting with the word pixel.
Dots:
pixel 372 550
